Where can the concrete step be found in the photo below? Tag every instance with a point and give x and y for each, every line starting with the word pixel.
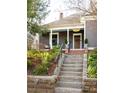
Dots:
pixel 75 69
pixel 67 90
pixel 70 78
pixel 73 56
pixel 70 84
pixel 73 62
pixel 70 73
pixel 72 65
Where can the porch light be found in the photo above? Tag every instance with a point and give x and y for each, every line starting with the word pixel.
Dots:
pixel 76 30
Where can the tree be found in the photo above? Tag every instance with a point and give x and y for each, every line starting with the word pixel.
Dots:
pixel 36 12
pixel 89 8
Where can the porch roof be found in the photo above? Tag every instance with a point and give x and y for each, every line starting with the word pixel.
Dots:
pixel 69 21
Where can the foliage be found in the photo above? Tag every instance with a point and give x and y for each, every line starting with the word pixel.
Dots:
pixel 36 12
pixel 29 64
pixel 92 64
pixel 65 41
pixel 46 58
pixel 55 49
pixel 40 69
pixel 33 53
pixel 86 41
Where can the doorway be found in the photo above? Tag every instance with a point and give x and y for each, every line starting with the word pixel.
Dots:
pixel 77 41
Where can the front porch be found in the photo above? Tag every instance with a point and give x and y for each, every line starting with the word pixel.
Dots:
pixel 74 36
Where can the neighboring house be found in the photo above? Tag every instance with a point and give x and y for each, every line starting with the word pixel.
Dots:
pixel 32 41
pixel 74 28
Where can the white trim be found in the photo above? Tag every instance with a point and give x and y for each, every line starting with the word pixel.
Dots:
pixel 57 37
pixel 91 48
pixel 50 39
pixel 72 27
pixel 85 35
pixel 90 17
pixel 76 34
pixel 68 36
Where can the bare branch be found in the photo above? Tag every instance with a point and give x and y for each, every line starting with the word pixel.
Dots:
pixel 80 5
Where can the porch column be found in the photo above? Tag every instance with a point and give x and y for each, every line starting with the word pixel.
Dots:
pixel 50 40
pixel 83 22
pixel 68 37
pixel 84 31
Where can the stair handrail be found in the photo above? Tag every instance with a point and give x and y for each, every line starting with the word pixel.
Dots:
pixel 60 59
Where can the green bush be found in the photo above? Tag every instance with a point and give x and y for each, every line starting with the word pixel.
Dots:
pixel 46 58
pixel 29 64
pixel 86 41
pixel 40 69
pixel 92 64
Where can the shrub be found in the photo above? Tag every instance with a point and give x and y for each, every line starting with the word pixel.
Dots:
pixel 42 67
pixel 29 64
pixel 86 41
pixel 92 64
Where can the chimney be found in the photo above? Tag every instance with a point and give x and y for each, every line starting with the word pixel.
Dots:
pixel 61 16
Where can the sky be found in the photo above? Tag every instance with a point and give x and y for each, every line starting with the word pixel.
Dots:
pixel 57 6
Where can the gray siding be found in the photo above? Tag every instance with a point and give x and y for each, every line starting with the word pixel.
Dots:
pixel 91 32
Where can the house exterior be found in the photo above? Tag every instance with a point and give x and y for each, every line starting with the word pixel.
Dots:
pixel 74 29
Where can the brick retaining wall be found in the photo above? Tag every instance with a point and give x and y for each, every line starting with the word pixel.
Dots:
pixel 41 84
pixel 90 85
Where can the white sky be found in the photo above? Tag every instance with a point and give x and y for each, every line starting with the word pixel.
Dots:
pixel 57 6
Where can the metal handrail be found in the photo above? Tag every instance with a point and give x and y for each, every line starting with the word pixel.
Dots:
pixel 59 61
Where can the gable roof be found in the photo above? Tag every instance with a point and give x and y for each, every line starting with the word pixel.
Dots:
pixel 72 20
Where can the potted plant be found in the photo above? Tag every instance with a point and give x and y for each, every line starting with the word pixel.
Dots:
pixel 86 43
pixel 66 45
pixel 65 42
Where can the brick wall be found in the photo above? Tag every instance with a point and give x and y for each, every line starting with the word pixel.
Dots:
pixel 41 84
pixel 90 85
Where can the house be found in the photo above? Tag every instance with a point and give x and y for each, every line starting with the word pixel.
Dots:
pixel 74 28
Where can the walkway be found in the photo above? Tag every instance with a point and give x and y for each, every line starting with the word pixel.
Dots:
pixel 70 75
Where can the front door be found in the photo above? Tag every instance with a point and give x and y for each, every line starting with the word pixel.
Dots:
pixel 77 41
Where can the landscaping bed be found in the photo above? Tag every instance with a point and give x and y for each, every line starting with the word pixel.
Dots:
pixel 90 72
pixel 42 62
pixel 92 64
